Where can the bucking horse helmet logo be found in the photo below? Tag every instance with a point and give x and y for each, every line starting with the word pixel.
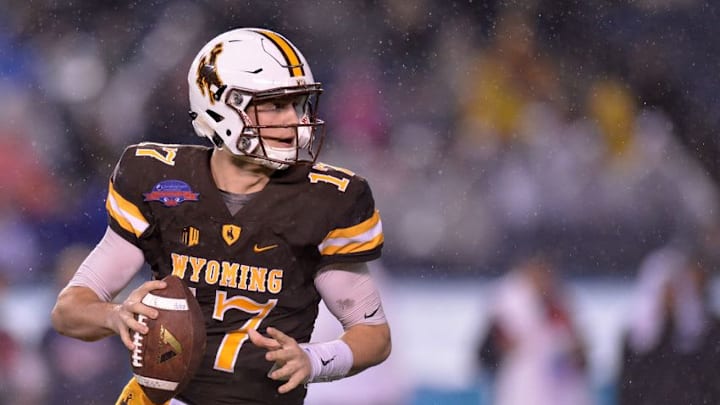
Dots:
pixel 207 75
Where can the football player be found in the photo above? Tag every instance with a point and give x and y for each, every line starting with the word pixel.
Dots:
pixel 257 227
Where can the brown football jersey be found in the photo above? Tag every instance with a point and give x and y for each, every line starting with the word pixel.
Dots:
pixel 253 269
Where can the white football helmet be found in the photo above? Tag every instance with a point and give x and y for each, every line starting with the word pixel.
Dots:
pixel 246 66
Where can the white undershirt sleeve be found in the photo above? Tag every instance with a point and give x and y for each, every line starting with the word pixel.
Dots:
pixel 109 267
pixel 350 294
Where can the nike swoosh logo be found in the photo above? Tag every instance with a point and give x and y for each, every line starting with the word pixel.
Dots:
pixel 258 249
pixel 372 313
pixel 326 362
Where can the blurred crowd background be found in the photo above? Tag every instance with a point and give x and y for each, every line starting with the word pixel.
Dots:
pixel 576 139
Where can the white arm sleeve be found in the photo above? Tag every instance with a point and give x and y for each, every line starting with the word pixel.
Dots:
pixel 109 267
pixel 349 293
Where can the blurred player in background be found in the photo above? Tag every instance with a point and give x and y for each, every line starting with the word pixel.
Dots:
pixel 532 349
pixel 254 224
pixel 670 350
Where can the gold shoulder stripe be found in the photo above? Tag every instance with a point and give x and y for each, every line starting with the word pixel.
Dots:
pixel 127 215
pixel 295 66
pixel 362 237
pixel 356 247
pixel 356 229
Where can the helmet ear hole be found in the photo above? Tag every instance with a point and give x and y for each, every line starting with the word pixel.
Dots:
pixel 215 116
pixel 217 141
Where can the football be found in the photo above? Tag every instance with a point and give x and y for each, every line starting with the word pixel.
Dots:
pixel 167 357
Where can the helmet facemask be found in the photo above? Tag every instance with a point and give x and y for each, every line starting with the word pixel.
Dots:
pixel 253 142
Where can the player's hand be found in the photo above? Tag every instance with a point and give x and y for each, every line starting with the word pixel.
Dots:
pixel 122 319
pixel 291 362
